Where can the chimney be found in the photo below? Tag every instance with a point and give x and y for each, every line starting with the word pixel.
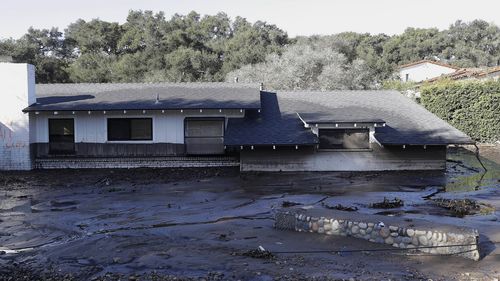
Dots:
pixel 236 79
pixel 17 87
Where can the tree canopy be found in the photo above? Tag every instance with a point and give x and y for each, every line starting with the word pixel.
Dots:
pixel 148 47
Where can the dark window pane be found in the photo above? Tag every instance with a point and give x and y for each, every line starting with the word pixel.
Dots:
pixel 61 136
pixel 344 139
pixel 205 128
pixel 118 129
pixel 140 129
pixel 126 129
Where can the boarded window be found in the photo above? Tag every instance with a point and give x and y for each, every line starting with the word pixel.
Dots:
pixel 344 139
pixel 204 136
pixel 130 129
pixel 61 136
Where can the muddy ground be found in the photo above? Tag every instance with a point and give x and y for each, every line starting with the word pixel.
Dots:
pixel 175 224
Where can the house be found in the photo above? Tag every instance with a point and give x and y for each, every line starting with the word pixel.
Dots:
pixel 423 70
pixel 460 74
pixel 130 125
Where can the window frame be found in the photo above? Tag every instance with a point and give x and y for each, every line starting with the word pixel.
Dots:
pixel 61 152
pixel 215 118
pixel 150 140
pixel 367 130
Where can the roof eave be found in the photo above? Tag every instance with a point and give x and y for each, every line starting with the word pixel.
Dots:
pixel 31 109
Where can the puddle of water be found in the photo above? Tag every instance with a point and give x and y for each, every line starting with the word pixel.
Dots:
pixel 465 173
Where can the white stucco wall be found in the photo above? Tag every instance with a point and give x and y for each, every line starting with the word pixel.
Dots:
pixel 17 91
pixel 168 126
pixel 423 71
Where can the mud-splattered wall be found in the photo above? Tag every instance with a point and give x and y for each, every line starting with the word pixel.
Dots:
pixel 17 91
pixel 376 159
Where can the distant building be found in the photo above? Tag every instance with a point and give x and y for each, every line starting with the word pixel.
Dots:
pixel 424 70
pixel 460 74
pixel 470 74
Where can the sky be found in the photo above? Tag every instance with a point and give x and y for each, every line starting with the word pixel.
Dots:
pixel 305 17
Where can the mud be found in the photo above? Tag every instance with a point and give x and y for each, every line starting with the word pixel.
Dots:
pixel 188 223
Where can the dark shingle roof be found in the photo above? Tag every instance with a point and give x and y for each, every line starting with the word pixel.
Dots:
pixel 407 122
pixel 347 114
pixel 271 126
pixel 130 96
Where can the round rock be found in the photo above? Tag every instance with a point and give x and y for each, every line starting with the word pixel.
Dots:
pixel 384 232
pixel 422 240
pixel 355 229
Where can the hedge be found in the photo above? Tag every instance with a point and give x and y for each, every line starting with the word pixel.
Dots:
pixel 471 106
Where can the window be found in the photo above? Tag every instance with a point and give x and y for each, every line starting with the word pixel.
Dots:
pixel 130 129
pixel 344 139
pixel 204 136
pixel 61 136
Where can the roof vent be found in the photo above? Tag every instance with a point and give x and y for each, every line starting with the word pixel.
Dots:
pixel 262 86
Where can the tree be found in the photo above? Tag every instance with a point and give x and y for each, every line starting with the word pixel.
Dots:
pixel 95 36
pixel 192 47
pixel 43 48
pixel 306 67
pixel 186 65
pixel 251 43
pixel 92 68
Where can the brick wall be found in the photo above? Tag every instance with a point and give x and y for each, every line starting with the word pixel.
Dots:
pixel 129 163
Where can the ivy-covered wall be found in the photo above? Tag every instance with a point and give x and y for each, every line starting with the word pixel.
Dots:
pixel 471 106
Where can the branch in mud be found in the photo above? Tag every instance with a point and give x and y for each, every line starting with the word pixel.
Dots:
pixel 161 225
pixel 388 204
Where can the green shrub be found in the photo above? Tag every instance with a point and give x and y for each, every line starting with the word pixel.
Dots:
pixel 471 106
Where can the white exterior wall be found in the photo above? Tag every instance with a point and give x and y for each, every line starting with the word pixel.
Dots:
pixel 17 91
pixel 168 127
pixel 423 71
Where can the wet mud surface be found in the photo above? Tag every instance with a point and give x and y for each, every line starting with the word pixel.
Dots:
pixel 195 223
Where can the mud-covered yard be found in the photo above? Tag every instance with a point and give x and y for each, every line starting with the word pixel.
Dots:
pixel 159 224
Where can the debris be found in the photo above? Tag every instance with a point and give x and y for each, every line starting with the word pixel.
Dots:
pixel 462 207
pixel 259 253
pixel 340 207
pixel 287 204
pixel 388 204
pixel 103 182
pixel 250 237
pixel 223 237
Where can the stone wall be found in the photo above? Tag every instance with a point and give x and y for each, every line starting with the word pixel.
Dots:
pixel 129 163
pixel 378 229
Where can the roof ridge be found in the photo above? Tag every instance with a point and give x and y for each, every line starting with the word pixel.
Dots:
pixel 151 83
pixel 331 91
pixel 428 61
